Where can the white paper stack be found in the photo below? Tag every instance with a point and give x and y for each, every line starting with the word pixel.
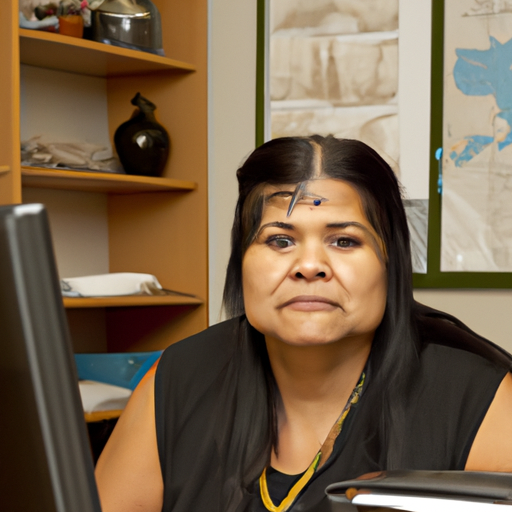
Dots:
pixel 110 285
pixel 97 396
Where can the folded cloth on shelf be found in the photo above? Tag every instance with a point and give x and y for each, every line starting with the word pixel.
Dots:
pixel 44 24
pixel 98 396
pixel 114 284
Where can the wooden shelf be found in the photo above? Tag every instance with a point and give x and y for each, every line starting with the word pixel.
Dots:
pixel 74 55
pixel 131 301
pixel 100 181
pixel 92 417
pixel 4 169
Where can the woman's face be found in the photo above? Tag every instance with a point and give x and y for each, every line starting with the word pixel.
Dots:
pixel 318 275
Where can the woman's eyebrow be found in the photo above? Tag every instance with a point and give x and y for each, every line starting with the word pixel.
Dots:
pixel 347 224
pixel 280 225
pixel 280 193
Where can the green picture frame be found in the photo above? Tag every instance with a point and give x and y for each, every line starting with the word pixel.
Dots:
pixel 261 56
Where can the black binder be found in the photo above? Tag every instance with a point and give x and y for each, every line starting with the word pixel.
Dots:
pixel 401 488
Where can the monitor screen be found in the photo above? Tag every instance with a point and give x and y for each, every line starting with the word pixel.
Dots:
pixel 45 457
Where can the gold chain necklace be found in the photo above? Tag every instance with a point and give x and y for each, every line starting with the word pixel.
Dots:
pixel 319 460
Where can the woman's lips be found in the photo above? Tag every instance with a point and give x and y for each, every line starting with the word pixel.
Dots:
pixel 310 303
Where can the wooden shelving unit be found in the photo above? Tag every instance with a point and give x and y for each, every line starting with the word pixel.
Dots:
pixel 154 225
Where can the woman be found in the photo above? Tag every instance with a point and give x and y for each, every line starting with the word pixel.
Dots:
pixel 327 370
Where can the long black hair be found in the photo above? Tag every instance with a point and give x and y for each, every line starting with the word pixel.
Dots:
pixel 291 160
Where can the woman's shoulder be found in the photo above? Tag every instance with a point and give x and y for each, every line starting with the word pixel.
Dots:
pixel 492 447
pixel 190 365
pixel 456 379
pixel 218 339
pixel 459 371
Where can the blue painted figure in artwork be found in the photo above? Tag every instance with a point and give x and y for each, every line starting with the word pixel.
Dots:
pixel 480 73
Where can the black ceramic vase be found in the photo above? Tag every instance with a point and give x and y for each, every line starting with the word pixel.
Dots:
pixel 142 143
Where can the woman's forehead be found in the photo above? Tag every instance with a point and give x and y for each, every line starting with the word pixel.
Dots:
pixel 316 193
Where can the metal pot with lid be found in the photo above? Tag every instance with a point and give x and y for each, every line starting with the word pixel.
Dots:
pixel 131 24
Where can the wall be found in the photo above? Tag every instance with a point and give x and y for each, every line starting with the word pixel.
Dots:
pixel 231 124
pixel 231 119
pixel 49 100
pixel 487 312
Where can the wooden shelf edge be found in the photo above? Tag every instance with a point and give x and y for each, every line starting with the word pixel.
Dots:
pixel 114 51
pixel 100 182
pixel 131 301
pixel 4 169
pixel 92 417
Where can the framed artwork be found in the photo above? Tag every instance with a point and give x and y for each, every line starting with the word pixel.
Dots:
pixel 326 68
pixel 465 215
pixel 477 137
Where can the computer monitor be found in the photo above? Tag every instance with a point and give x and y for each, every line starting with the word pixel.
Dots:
pixel 45 458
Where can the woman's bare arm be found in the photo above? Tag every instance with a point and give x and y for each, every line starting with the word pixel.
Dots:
pixel 492 448
pixel 128 471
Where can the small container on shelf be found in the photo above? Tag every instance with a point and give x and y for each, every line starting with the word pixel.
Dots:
pixel 71 25
pixel 128 24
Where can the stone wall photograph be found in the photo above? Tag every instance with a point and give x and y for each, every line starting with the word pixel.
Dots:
pixel 334 70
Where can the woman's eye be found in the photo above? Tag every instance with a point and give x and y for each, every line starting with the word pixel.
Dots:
pixel 346 243
pixel 279 242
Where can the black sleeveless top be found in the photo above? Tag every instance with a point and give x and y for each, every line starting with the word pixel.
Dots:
pixel 212 416
pixel 279 484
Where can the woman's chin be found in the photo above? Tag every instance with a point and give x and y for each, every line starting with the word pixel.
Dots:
pixel 308 338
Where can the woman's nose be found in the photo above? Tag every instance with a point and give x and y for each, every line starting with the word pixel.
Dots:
pixel 312 264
